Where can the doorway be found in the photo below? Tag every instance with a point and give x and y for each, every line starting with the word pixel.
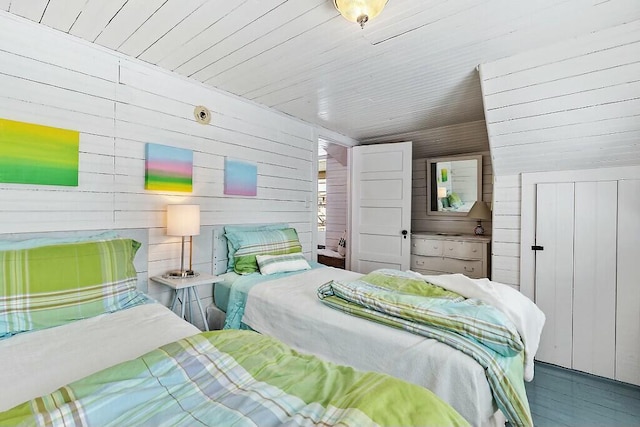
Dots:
pixel 333 176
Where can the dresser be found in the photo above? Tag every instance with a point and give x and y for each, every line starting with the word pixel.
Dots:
pixel 439 253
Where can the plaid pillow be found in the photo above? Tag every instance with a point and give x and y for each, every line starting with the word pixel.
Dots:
pixel 52 285
pixel 264 242
pixel 271 264
pixel 232 231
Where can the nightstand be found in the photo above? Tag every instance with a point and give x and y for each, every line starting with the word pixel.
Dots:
pixel 185 292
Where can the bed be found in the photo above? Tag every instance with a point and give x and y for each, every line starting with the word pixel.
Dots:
pixel 286 306
pixel 80 345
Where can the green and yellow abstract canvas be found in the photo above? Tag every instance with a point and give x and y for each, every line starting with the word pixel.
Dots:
pixel 36 154
pixel 168 168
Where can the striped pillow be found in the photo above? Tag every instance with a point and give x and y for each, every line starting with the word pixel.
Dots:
pixel 52 285
pixel 232 231
pixel 271 264
pixel 263 242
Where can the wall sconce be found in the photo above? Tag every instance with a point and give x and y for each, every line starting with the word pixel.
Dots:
pixel 360 11
pixel 183 221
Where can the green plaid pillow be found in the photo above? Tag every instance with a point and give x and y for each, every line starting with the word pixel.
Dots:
pixel 52 285
pixel 263 242
pixel 233 231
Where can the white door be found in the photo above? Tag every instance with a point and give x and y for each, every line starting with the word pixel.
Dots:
pixel 575 282
pixel 628 285
pixel 554 270
pixel 594 284
pixel 380 207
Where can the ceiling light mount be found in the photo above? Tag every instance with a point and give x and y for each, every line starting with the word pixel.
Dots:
pixel 360 11
pixel 202 115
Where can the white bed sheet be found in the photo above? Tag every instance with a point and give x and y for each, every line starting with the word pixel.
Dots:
pixel 298 318
pixel 38 363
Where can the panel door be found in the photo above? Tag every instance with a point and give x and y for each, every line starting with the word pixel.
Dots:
pixel 594 285
pixel 381 207
pixel 628 290
pixel 554 270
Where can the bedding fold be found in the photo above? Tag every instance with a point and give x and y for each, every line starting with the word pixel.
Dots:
pixel 234 378
pixel 404 301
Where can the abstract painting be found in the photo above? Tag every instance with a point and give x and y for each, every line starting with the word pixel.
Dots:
pixel 36 154
pixel 168 168
pixel 240 178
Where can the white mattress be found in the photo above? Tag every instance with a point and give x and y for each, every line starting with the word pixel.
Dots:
pixel 289 310
pixel 38 363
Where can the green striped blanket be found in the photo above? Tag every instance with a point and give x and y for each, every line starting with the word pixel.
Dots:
pixel 226 378
pixel 402 300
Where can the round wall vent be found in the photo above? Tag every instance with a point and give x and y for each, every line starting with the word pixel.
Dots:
pixel 202 115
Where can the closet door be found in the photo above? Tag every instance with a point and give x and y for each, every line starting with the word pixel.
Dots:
pixel 628 298
pixel 594 284
pixel 554 270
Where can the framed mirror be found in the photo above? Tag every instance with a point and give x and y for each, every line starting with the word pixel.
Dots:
pixel 454 184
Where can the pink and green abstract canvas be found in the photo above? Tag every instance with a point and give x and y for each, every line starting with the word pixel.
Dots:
pixel 36 154
pixel 168 168
pixel 240 178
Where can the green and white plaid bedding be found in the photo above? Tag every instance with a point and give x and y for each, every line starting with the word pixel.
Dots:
pixel 237 378
pixel 479 330
pixel 48 286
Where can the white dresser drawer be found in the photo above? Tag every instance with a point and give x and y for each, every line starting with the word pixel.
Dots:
pixel 427 247
pixel 473 269
pixel 433 253
pixel 464 250
pixel 423 263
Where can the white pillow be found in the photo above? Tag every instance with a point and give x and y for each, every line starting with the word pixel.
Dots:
pixel 271 264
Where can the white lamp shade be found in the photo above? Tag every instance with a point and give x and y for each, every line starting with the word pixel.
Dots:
pixel 480 210
pixel 442 192
pixel 183 220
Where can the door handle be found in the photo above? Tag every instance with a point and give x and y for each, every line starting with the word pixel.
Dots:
pixel 537 248
pixel 404 234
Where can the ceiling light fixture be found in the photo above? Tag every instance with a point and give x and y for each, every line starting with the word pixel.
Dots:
pixel 360 11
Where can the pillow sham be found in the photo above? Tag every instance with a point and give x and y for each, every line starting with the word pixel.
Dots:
pixel 265 242
pixel 52 285
pixel 271 264
pixel 233 230
pixel 47 241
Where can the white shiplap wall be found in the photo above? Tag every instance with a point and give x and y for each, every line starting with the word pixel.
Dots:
pixel 119 105
pixel 572 105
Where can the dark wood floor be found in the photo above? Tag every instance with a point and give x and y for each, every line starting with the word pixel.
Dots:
pixel 561 397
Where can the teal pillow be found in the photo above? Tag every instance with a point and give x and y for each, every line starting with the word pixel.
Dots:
pixel 265 242
pixel 52 285
pixel 237 229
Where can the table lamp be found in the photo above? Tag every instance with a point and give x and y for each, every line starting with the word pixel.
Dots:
pixel 442 195
pixel 479 211
pixel 183 221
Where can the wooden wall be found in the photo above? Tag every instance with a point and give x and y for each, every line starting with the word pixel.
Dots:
pixel 119 105
pixel 572 105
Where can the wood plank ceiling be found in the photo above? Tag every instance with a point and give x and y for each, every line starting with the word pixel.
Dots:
pixel 408 73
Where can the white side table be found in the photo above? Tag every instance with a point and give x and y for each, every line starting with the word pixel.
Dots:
pixel 185 291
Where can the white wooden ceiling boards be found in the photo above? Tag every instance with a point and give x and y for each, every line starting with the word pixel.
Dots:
pixel 409 71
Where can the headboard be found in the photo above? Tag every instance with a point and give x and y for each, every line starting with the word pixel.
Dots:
pixel 220 250
pixel 141 235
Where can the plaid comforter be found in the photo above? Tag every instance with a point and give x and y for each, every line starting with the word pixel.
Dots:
pixel 227 378
pixel 479 330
